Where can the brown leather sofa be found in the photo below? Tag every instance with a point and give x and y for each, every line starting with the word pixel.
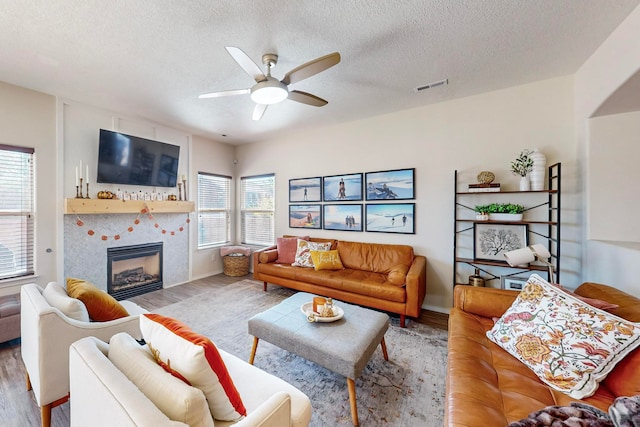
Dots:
pixel 363 281
pixel 486 386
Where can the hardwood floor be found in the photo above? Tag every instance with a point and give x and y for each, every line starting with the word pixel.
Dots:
pixel 18 407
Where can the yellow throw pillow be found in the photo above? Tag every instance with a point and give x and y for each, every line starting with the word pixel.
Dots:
pixel 326 260
pixel 101 306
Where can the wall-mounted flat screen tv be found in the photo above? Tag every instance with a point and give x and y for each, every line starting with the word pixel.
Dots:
pixel 131 160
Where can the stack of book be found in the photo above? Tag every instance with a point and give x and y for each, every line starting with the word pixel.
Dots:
pixel 494 187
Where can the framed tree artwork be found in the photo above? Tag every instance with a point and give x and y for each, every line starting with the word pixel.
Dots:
pixel 492 240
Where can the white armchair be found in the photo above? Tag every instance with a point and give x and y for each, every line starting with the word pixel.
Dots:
pixel 47 334
pixel 103 396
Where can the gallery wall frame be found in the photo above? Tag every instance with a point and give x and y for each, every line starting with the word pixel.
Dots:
pixel 305 216
pixel 391 217
pixel 343 217
pixel 342 188
pixel 305 190
pixel 398 184
pixel 492 240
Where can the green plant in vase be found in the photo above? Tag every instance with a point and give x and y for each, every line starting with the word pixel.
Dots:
pixel 521 167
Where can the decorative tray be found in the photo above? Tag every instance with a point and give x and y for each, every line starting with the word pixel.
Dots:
pixel 307 310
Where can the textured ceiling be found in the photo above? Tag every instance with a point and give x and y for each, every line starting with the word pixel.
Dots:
pixel 151 59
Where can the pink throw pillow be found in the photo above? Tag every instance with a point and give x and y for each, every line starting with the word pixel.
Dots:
pixel 287 247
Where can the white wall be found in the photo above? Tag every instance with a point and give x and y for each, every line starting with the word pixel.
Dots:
pixel 483 132
pixel 597 83
pixel 28 119
pixel 212 157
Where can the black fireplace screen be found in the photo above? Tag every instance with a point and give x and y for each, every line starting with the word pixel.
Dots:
pixel 134 270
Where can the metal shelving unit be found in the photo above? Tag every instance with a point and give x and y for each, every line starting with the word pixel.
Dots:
pixel 545 230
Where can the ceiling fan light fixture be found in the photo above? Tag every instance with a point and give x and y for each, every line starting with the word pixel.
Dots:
pixel 270 91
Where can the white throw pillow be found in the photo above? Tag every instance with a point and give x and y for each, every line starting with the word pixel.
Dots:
pixel 57 297
pixel 303 253
pixel 193 357
pixel 569 344
pixel 176 399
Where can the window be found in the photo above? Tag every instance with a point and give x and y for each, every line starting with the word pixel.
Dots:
pixel 258 209
pixel 214 209
pixel 16 211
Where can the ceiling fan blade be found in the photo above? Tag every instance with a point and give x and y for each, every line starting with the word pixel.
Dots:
pixel 311 68
pixel 306 98
pixel 259 111
pixel 225 93
pixel 246 63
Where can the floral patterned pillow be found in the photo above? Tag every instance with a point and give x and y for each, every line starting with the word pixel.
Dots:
pixel 303 253
pixel 568 344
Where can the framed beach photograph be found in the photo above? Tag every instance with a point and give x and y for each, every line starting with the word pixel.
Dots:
pixel 342 217
pixel 305 216
pixel 305 190
pixel 390 185
pixel 391 218
pixel 513 283
pixel 492 240
pixel 342 188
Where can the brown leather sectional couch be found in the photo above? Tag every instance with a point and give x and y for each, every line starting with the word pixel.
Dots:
pixel 363 281
pixel 486 386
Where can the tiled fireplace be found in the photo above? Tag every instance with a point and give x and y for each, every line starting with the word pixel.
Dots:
pixel 85 253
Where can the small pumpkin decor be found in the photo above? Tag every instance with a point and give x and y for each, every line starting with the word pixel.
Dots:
pixel 106 195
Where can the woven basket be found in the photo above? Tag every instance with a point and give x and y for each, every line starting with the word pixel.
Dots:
pixel 235 265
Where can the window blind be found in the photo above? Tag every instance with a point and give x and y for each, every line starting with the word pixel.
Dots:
pixel 214 209
pixel 257 195
pixel 16 211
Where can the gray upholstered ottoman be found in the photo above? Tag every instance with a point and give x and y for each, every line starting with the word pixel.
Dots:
pixel 344 346
pixel 9 317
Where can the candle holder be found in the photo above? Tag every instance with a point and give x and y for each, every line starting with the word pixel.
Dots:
pixel 180 191
pixel 87 197
pixel 79 190
pixel 184 181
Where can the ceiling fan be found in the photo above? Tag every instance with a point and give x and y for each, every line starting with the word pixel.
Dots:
pixel 269 90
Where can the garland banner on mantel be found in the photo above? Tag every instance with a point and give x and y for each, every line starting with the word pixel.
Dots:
pixel 143 211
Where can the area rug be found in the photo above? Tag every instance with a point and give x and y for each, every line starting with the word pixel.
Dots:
pixel 408 390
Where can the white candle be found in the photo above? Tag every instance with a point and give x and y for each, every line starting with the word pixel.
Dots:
pixel 76 176
pixel 87 174
pixel 80 169
pixel 183 178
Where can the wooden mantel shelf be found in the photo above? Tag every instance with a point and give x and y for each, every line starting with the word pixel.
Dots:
pixel 109 206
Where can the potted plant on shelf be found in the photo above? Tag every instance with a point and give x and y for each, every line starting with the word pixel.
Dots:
pixel 501 211
pixel 521 167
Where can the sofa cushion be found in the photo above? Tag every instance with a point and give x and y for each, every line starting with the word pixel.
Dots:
pixel 398 274
pixel 287 247
pixel 326 260
pixel 268 256
pixel 177 400
pixel 57 297
pixel 303 253
pixel 374 257
pixel 101 306
pixel 570 345
pixel 197 359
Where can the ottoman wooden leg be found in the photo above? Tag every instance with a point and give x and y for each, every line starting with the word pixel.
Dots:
pixel 28 382
pixel 351 385
pixel 383 345
pixel 45 414
pixel 253 350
